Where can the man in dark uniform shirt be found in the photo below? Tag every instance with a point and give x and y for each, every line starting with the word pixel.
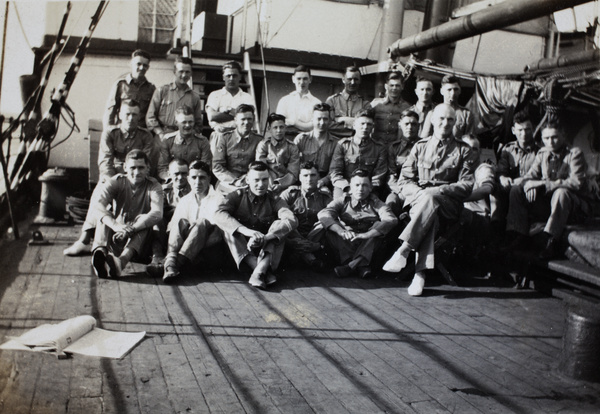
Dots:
pixel 356 225
pixel 358 152
pixel 185 143
pixel 134 86
pixel 255 224
pixel 347 103
pixel 306 201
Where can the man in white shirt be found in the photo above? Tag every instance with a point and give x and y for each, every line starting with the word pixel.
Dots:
pixel 297 107
pixel 221 104
pixel 191 229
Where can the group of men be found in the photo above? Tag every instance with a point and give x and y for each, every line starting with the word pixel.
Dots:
pixel 316 179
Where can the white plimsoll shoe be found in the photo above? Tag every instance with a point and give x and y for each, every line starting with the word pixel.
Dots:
pixel 114 264
pixel 77 248
pixel 417 285
pixel 396 263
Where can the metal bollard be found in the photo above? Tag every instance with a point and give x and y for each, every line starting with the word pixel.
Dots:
pixel 53 196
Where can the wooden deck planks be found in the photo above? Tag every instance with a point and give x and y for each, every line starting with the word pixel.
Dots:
pixel 314 344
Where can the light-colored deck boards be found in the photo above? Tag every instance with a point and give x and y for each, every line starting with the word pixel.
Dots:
pixel 289 318
pixel 314 344
pixel 400 353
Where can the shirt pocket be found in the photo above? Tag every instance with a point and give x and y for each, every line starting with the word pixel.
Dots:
pixel 400 160
pixel 368 163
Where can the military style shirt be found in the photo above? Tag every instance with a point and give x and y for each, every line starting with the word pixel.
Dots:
pixel 446 164
pixel 143 204
pixel 195 147
pixel 349 156
pixel 398 152
pixel 282 158
pixel 359 216
pixel 515 161
pixel 306 205
pixel 319 154
pixel 564 169
pixel 422 110
pixel 387 115
pixel 233 154
pixel 346 105
pixel 128 88
pixel 166 99
pixel 244 208
pixel 115 144
pixel 464 123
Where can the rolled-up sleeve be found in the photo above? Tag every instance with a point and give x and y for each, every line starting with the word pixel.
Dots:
pixel 330 215
pixel 224 215
pixel 387 218
pixel 286 222
pixel 154 216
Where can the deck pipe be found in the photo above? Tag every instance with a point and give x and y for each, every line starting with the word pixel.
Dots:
pixel 577 58
pixel 495 17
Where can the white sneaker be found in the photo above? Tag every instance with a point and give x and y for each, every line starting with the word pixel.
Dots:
pixel 114 264
pixel 77 248
pixel 417 285
pixel 396 263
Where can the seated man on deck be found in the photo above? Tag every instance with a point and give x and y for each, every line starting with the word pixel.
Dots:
pixel 281 156
pixel 297 106
pixel 514 161
pixel 115 144
pixel 347 103
pixel 436 179
pixel 174 190
pixel 122 233
pixel 475 216
pixel 255 224
pixel 356 225
pixel 235 150
pixel 358 152
pixel 221 104
pixel 184 144
pixel 554 190
pixel 192 227
pixel 318 145
pixel 398 152
pixel 306 201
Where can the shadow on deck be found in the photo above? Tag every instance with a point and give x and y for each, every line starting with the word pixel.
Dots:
pixel 314 344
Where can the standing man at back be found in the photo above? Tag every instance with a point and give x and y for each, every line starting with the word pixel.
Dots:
pixel 166 99
pixel 388 110
pixel 347 103
pixel 132 86
pixel 297 106
pixel 221 104
pixel 424 105
pixel 451 90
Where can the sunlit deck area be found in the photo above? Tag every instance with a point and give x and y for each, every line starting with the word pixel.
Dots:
pixel 314 344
